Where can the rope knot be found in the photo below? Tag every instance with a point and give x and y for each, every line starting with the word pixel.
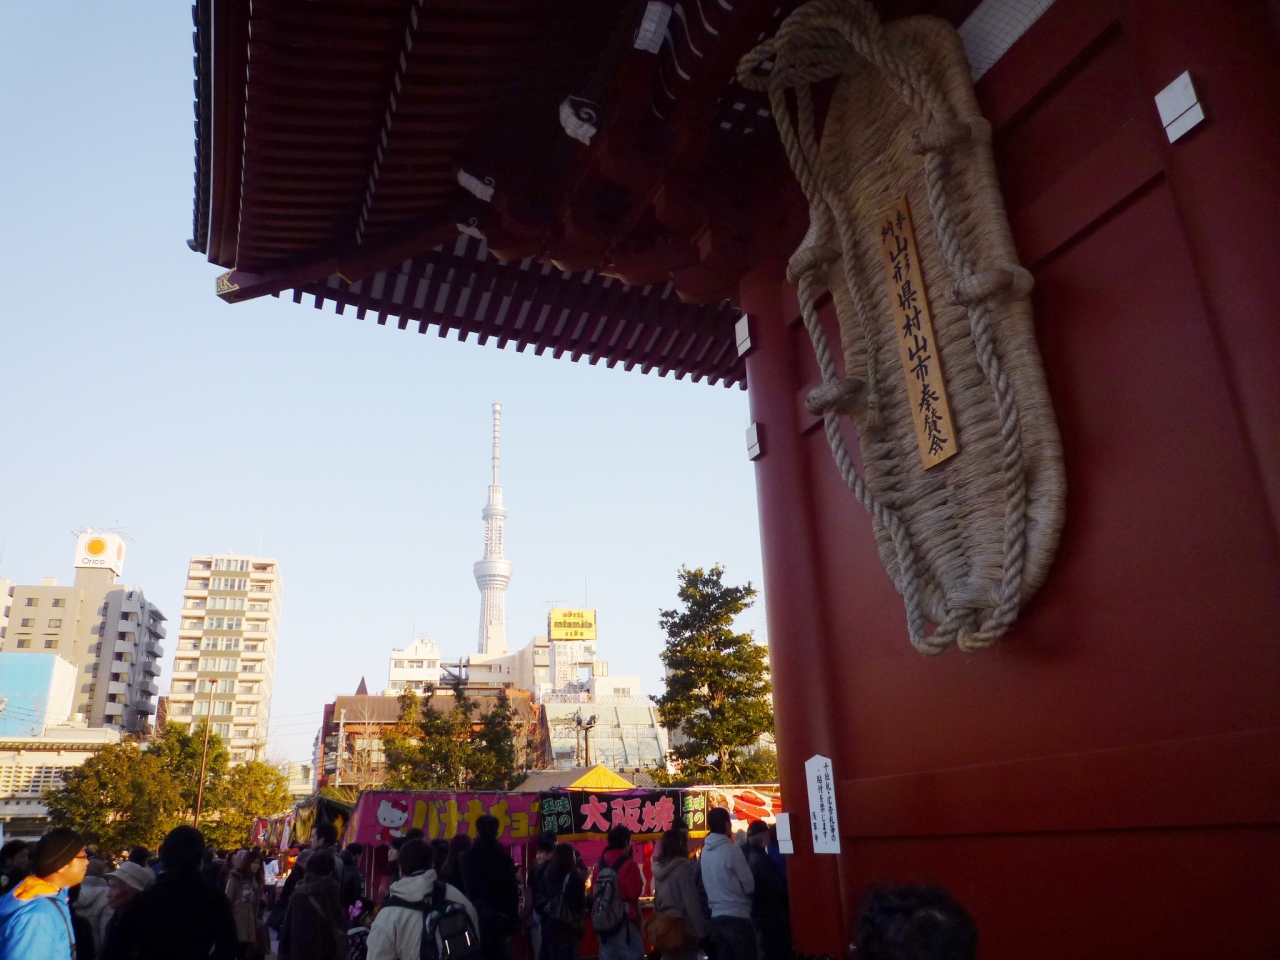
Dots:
pixel 811 261
pixel 835 396
pixel 948 132
pixel 1009 282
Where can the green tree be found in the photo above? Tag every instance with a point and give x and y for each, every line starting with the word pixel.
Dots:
pixel 717 681
pixel 179 751
pixel 494 749
pixel 134 793
pixel 120 797
pixel 433 749
pixel 247 791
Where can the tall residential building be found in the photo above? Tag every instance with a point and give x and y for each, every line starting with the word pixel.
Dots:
pixel 109 634
pixel 227 649
pixel 493 573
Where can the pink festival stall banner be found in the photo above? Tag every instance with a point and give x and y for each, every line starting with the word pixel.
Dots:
pixel 382 815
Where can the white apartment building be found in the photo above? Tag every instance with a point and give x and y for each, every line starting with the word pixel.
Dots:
pixel 416 667
pixel 226 656
pixel 109 633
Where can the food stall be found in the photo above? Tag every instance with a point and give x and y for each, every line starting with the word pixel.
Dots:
pixel 579 807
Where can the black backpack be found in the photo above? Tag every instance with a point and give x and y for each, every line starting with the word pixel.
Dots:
pixel 447 930
pixel 608 910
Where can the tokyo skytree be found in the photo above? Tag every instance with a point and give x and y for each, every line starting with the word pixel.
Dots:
pixel 493 573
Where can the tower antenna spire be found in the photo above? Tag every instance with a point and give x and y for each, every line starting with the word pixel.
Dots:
pixel 497 427
pixel 493 573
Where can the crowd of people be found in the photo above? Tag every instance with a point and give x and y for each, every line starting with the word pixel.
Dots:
pixel 460 899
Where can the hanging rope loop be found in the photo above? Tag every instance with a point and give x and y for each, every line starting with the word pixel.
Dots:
pixel 829 38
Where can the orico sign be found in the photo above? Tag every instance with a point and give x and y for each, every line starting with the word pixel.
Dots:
pixel 105 550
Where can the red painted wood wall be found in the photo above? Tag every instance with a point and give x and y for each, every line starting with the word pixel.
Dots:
pixel 1105 783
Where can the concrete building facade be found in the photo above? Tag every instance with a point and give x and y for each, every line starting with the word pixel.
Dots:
pixel 39 740
pixel 225 662
pixel 108 633
pixel 414 667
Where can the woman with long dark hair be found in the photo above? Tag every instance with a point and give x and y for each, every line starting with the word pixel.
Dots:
pixel 244 892
pixel 564 914
pixel 679 919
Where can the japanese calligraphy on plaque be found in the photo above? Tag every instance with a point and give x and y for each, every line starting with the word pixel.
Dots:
pixel 921 361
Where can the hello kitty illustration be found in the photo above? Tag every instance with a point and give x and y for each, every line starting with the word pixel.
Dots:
pixel 393 818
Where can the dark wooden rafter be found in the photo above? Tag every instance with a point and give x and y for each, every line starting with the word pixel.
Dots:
pixel 461 287
pixel 332 140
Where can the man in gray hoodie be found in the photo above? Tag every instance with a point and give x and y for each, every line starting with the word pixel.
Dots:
pixel 729 885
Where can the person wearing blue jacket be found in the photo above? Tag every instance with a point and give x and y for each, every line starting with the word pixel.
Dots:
pixel 35 918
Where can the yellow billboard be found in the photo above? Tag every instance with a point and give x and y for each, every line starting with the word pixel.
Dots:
pixel 565 624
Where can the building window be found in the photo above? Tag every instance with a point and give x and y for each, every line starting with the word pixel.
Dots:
pixel 55 623
pixel 222 708
pixel 415 664
pixel 33 602
pixel 28 621
pixel 226 686
pixel 24 642
pixel 59 602
pixel 222 729
pixel 250 688
pixel 397 684
pixel 254 647
pixel 247 710
pixel 202 708
pixel 397 664
pixel 249 667
pixel 244 733
pixel 182 709
pixel 230 643
pixel 49 644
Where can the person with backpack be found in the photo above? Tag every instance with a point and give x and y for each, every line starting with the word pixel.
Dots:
pixel 730 886
pixel 616 886
pixel 489 879
pixel 424 918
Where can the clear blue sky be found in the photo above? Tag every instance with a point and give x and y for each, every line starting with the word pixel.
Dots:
pixel 358 454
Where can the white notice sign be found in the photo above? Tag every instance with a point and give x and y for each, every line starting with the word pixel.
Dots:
pixel 822 805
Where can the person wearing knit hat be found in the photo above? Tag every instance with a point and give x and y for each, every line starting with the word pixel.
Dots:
pixel 125 883
pixel 35 918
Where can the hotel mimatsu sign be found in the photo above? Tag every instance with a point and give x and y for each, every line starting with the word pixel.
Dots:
pixel 565 624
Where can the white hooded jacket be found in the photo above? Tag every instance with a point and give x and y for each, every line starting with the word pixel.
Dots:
pixel 396 933
pixel 726 877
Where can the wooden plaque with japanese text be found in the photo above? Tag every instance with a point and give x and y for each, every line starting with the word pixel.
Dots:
pixel 921 361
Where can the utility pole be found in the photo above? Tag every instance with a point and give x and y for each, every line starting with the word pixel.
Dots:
pixel 204 755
